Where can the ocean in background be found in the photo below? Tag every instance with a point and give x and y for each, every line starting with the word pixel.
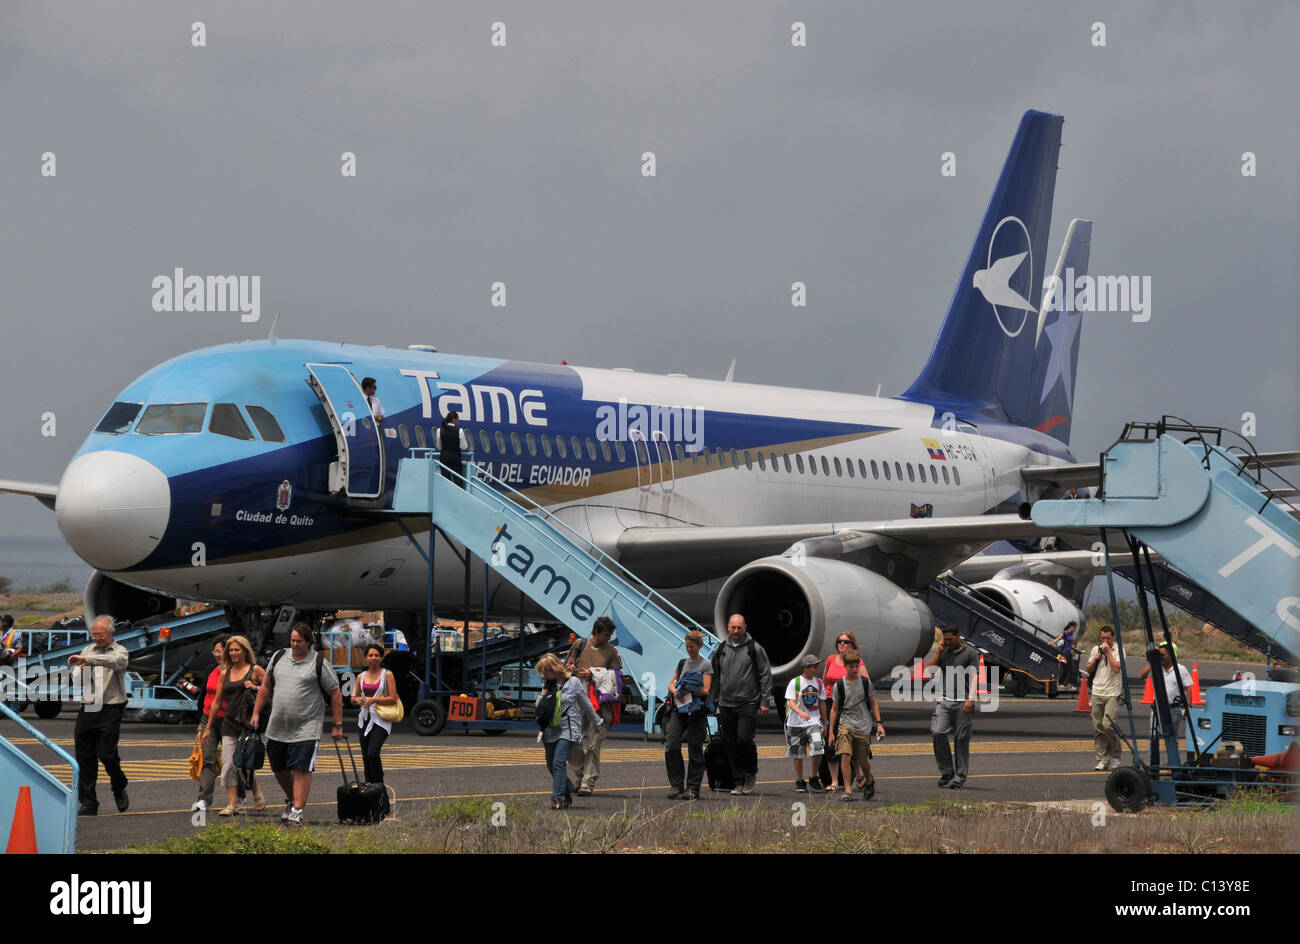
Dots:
pixel 36 563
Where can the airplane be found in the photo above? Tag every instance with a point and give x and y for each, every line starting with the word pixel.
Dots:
pixel 805 510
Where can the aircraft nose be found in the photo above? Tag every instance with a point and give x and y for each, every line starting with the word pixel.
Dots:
pixel 112 508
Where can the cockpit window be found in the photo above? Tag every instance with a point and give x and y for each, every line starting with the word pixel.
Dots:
pixel 163 418
pixel 265 423
pixel 226 421
pixel 119 418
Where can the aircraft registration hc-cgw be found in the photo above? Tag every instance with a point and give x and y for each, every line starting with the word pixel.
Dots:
pixel 805 510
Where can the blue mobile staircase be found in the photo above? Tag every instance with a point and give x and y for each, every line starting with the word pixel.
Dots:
pixel 1218 530
pixel 53 804
pixel 561 571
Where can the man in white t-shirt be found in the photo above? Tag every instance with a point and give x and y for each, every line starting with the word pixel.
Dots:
pixel 1177 704
pixel 805 720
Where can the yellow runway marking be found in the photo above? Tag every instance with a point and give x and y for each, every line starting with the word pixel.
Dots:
pixel 400 757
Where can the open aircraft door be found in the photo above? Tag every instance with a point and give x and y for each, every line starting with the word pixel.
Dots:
pixel 359 471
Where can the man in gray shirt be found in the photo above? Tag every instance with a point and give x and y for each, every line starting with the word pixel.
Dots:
pixel 300 684
pixel 742 676
pixel 99 722
pixel 955 709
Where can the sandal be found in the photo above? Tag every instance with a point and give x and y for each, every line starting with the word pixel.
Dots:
pixel 227 811
pixel 259 801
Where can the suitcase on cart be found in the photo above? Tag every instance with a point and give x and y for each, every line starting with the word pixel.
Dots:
pixel 716 768
pixel 358 801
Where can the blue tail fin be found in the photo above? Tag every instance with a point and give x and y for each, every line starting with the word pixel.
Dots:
pixel 986 360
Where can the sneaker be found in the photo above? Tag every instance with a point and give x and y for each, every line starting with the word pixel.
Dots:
pixel 956 784
pixel 676 793
pixel 801 786
pixel 748 788
pixel 199 806
pixel 88 809
pixel 815 785
pixel 737 790
pixel 585 791
pixel 288 808
pixel 869 791
pixel 1114 765
pixel 554 804
pixel 846 797
pixel 295 817
pixel 1101 765
pixel 945 780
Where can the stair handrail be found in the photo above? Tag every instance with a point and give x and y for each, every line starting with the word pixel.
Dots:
pixel 1037 631
pixel 495 487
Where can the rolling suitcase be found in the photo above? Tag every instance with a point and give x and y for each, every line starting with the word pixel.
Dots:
pixel 716 767
pixel 358 801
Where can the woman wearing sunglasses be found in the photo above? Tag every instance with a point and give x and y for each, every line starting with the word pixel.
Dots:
pixel 832 672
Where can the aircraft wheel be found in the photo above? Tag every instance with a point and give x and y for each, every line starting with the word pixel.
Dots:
pixel 48 709
pixel 1053 689
pixel 1128 789
pixel 428 717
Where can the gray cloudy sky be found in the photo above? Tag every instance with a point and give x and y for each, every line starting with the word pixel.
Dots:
pixel 775 164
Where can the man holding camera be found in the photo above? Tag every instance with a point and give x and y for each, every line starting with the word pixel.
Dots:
pixel 1106 687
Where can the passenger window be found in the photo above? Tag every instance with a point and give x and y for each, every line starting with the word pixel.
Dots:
pixel 681 453
pixel 484 442
pixel 119 418
pixel 762 466
pixel 921 470
pixel 515 446
pixel 531 441
pixel 226 421
pixel 404 435
pixel 934 475
pixel 722 459
pixel 267 427
pixel 848 467
pixel 911 476
pixel 162 419
pixel 945 476
pixel 708 461
pixel 862 468
pixel 886 465
pixel 500 437
pixel 898 470
pixel 826 467
pixel 546 445
pixel 642 451
pixel 577 448
pixel 956 476
pixel 749 463
pixel 798 462
pixel 786 457
pixel 735 459
pixel 591 449
pixel 560 447
pixel 419 436
pixel 618 448
pixel 771 457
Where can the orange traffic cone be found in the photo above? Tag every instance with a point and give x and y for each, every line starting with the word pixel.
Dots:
pixel 22 834
pixel 918 670
pixel 1085 700
pixel 1288 759
pixel 1149 693
pixel 984 679
pixel 1195 697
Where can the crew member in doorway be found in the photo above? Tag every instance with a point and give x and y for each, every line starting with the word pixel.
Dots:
pixel 451 442
pixel 368 387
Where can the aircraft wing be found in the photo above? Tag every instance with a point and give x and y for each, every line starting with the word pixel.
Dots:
pixel 1085 474
pixel 45 494
pixel 662 553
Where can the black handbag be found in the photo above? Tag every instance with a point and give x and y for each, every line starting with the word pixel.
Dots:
pixel 250 752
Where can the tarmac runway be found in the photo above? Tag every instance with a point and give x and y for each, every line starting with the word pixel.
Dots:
pixel 1031 750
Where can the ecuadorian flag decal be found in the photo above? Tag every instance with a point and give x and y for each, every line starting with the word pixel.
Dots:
pixel 936 451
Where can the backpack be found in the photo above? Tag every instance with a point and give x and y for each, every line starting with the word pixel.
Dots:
pixel 839 690
pixel 550 707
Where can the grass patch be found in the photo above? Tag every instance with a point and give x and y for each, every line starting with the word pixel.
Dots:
pixel 240 839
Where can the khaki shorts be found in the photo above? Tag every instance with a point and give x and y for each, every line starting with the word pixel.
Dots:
pixel 857 746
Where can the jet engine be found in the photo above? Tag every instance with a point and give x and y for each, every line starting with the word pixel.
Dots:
pixel 794 606
pixel 107 596
pixel 1030 600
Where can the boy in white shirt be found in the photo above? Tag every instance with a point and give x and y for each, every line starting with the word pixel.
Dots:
pixel 805 720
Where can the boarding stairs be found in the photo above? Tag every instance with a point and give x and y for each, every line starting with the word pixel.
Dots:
pixel 1206 512
pixel 1024 653
pixel 555 566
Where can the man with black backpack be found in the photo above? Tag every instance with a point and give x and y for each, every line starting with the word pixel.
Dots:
pixel 298 682
pixel 742 677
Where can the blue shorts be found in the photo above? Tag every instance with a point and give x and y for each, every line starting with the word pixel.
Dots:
pixel 292 755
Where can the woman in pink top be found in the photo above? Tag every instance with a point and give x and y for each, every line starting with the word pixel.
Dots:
pixel 832 672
